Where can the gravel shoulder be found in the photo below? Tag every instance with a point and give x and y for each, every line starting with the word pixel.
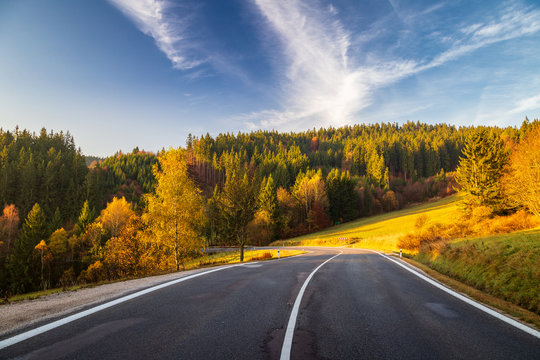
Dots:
pixel 17 316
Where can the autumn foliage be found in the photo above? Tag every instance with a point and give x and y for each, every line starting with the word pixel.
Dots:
pixel 141 213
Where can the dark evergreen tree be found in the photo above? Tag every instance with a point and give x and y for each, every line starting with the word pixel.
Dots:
pixel 480 169
pixel 85 218
pixel 342 196
pixel 24 263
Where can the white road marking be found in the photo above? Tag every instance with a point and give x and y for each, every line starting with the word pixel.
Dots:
pixel 40 330
pixel 469 301
pixel 287 342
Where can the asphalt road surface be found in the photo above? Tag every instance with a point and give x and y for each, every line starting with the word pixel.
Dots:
pixel 359 305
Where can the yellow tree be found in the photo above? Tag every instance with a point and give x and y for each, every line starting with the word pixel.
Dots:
pixel 309 189
pixel 521 182
pixel 116 215
pixel 175 212
pixel 9 223
pixel 45 258
pixel 123 252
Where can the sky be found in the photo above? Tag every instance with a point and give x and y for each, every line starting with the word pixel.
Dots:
pixel 120 74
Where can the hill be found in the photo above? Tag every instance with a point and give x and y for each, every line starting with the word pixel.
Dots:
pixel 379 232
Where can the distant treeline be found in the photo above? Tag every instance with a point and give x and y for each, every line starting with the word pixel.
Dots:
pixel 255 187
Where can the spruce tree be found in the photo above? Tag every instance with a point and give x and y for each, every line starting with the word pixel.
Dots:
pixel 24 263
pixel 85 217
pixel 481 168
pixel 56 221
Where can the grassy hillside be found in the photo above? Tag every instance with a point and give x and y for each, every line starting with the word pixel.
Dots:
pixel 506 266
pixel 381 231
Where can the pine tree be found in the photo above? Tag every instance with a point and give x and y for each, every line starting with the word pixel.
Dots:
pixel 85 218
pixel 481 168
pixel 342 196
pixel 24 265
pixel 267 196
pixel 56 221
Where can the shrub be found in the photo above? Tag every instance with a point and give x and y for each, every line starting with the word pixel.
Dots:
pixel 263 256
pixel 421 221
pixel 521 220
pixel 95 272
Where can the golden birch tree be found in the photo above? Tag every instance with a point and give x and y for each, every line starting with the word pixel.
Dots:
pixel 175 212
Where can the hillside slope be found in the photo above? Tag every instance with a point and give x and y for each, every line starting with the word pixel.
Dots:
pixel 381 231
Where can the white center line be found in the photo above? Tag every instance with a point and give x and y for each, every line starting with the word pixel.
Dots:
pixel 287 342
pixel 40 330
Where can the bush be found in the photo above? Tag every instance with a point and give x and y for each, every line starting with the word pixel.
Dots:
pixel 521 220
pixel 263 256
pixel 94 273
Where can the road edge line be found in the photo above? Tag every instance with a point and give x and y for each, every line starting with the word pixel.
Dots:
pixel 463 298
pixel 287 341
pixel 44 328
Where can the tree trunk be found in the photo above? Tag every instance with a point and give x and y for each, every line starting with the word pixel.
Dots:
pixel 242 251
pixel 42 282
pixel 176 257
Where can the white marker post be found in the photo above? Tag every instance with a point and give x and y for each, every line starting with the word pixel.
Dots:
pixel 400 252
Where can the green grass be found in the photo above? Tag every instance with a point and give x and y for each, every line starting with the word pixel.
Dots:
pixel 506 266
pixel 379 232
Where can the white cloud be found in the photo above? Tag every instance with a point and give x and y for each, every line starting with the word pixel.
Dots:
pixel 527 104
pixel 322 86
pixel 514 22
pixel 166 27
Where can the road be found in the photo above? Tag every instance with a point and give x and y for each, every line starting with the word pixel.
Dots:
pixel 359 305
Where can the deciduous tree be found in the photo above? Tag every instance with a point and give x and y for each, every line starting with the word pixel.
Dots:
pixel 522 181
pixel 114 216
pixel 238 202
pixel 175 212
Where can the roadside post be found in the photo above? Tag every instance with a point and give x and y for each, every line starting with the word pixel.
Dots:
pixel 278 254
pixel 400 253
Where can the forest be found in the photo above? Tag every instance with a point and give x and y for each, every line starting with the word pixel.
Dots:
pixel 71 219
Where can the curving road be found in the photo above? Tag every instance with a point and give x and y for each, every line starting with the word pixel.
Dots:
pixel 359 305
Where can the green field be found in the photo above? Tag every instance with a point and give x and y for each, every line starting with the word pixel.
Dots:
pixel 382 231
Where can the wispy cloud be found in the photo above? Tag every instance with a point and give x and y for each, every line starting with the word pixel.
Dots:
pixel 323 86
pixel 161 20
pixel 319 83
pixel 512 22
pixel 527 104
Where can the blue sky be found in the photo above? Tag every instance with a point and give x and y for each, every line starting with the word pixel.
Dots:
pixel 123 73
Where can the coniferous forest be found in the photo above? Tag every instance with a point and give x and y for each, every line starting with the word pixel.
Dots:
pixel 72 219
